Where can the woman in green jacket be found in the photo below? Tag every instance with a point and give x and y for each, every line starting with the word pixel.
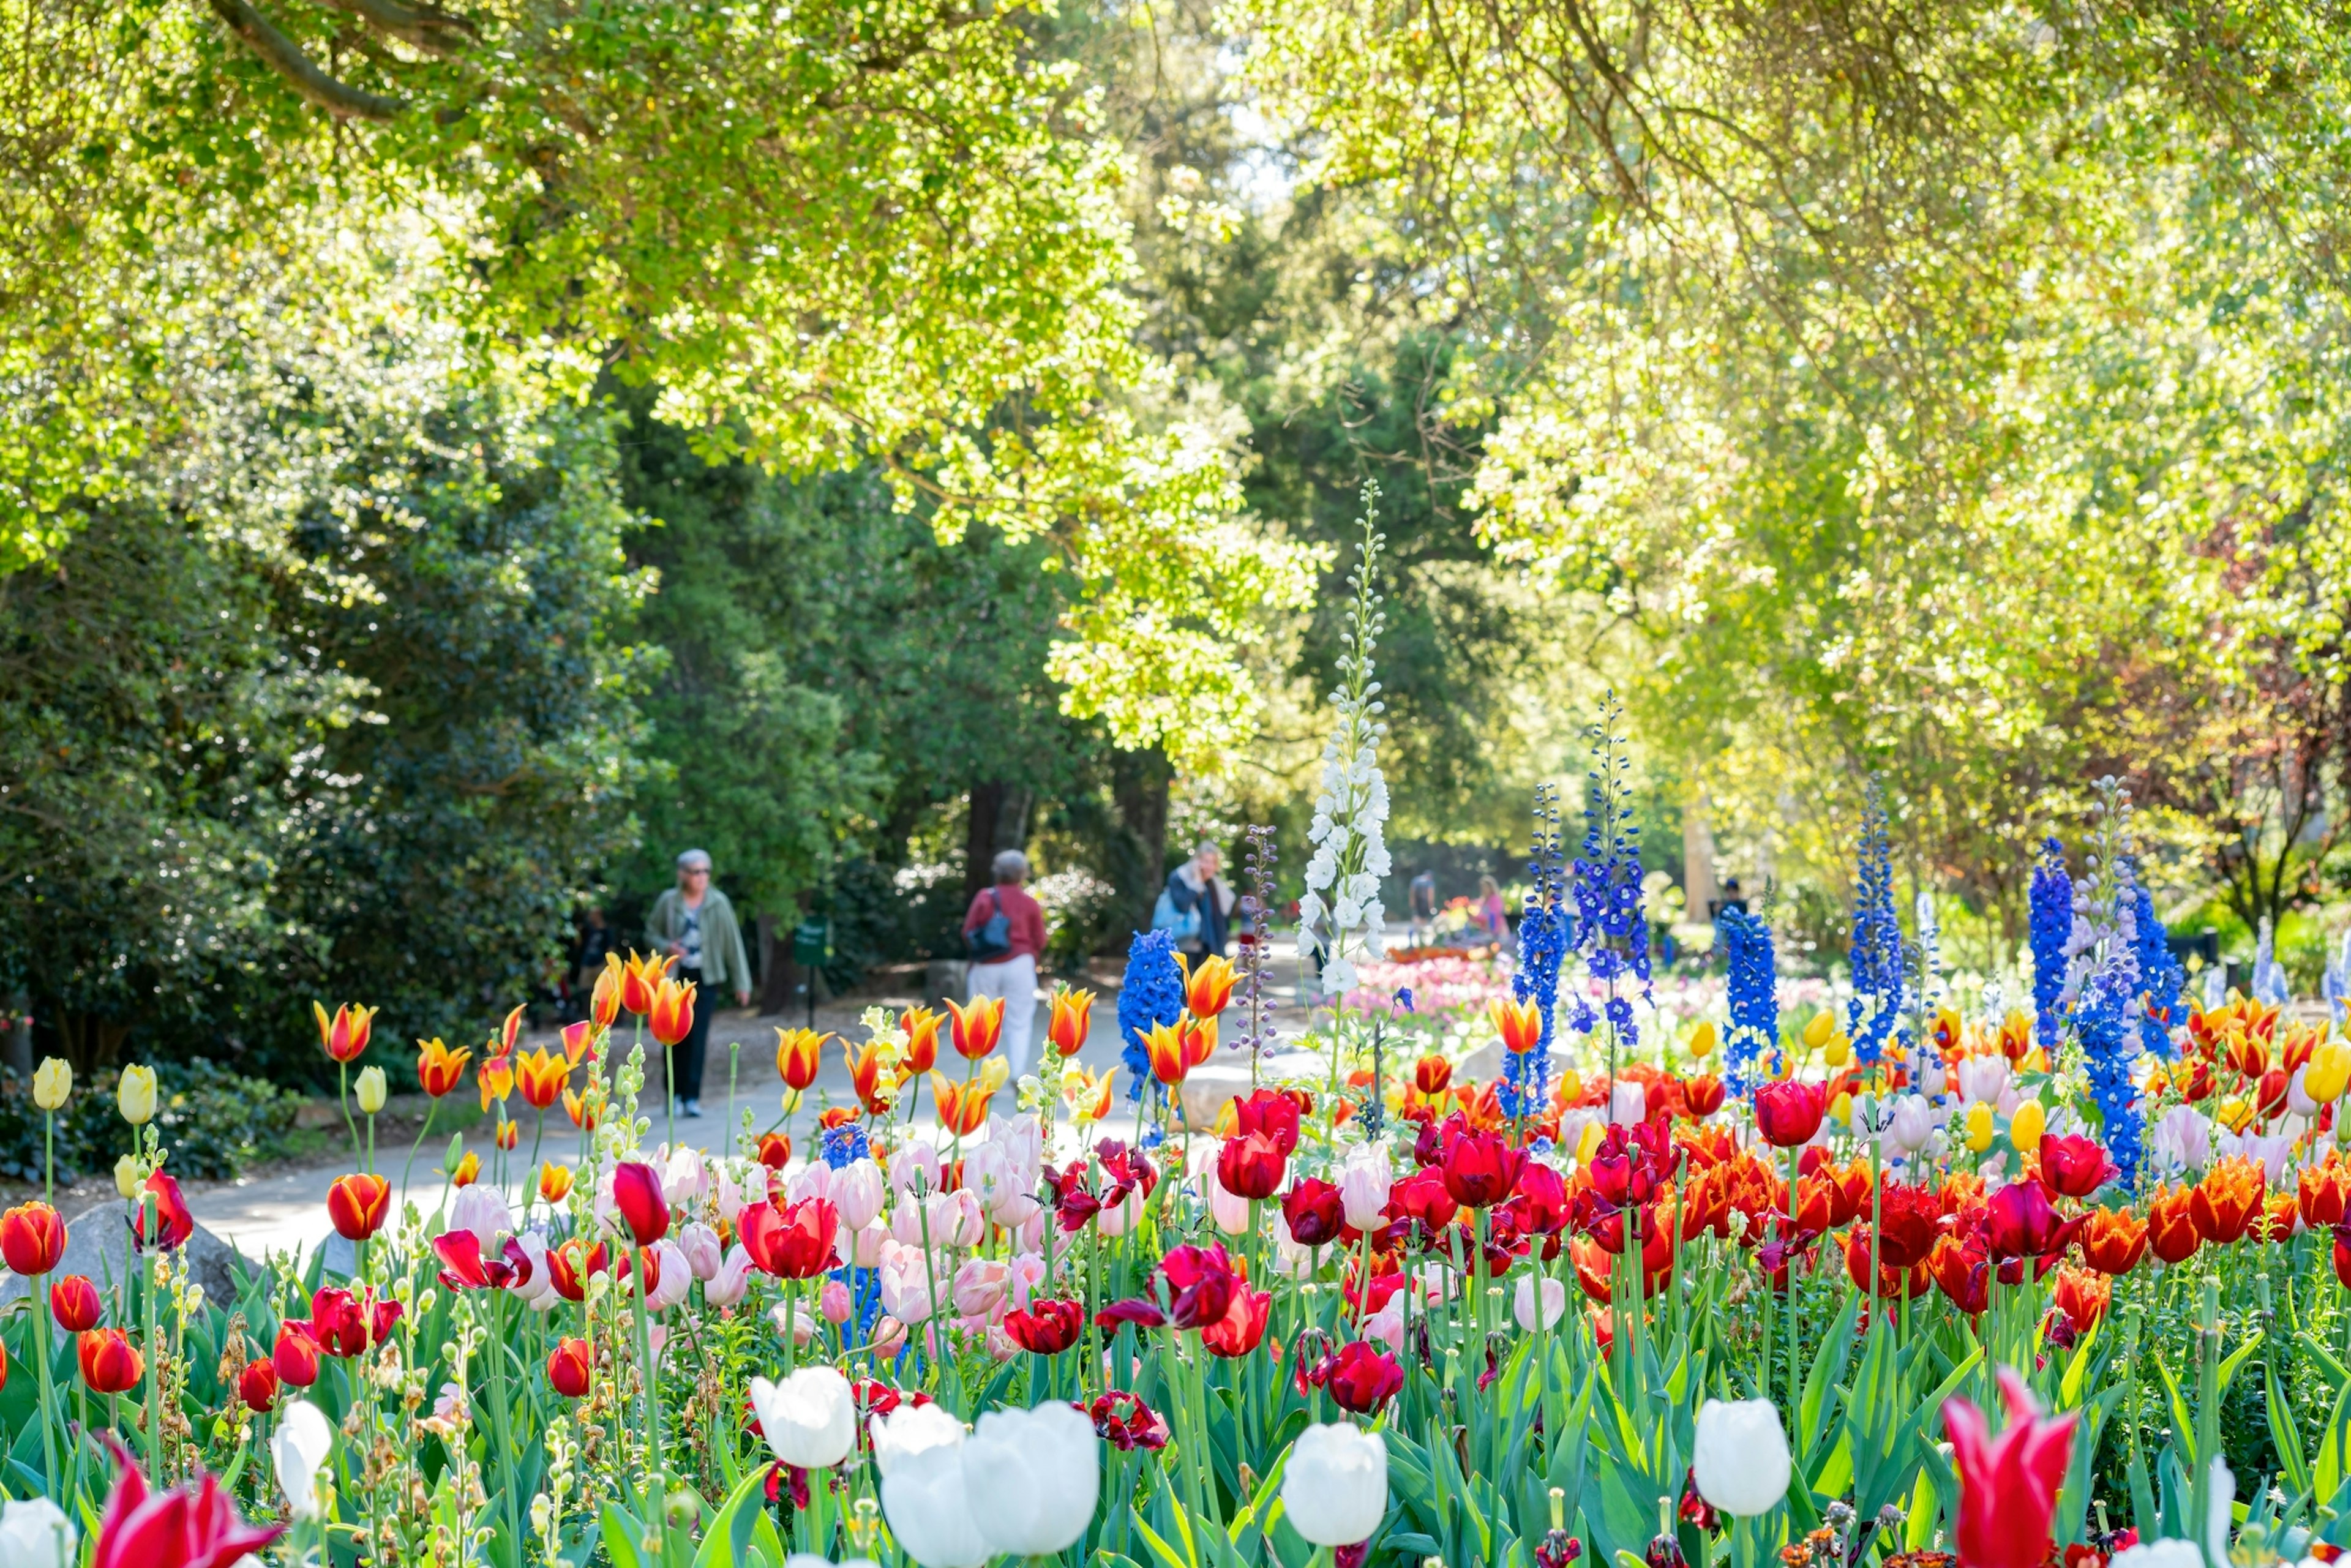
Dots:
pixel 696 924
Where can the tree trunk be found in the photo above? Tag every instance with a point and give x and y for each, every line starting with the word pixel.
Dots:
pixel 979 833
pixel 1138 850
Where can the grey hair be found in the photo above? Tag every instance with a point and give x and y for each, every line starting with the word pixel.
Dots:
pixel 1207 847
pixel 693 858
pixel 1009 865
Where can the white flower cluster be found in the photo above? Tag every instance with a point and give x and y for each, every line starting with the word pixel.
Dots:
pixel 1340 913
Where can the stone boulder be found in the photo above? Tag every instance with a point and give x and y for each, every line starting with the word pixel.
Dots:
pixel 97 1244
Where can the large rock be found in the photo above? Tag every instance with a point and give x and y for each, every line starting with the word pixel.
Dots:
pixel 97 1244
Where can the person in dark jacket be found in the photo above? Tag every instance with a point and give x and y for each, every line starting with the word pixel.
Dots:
pixel 695 923
pixel 1194 886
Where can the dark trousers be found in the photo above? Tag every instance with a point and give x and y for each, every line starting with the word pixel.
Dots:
pixel 685 1056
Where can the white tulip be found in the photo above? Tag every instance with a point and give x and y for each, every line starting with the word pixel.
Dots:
pixel 1554 1303
pixel 36 1534
pixel 1628 1104
pixel 300 1446
pixel 732 1281
pixel 1364 1184
pixel 912 1429
pixel 1982 1078
pixel 1040 1471
pixel 2171 1554
pixel 1228 1209
pixel 1334 1488
pixel 857 1193
pixel 809 1419
pixel 673 1277
pixel 928 1504
pixel 482 1210
pixel 1911 1125
pixel 1739 1461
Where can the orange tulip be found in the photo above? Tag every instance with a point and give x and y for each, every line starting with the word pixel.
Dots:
pixel 580 1041
pixel 921 1027
pixel 640 978
pixel 1519 1023
pixel 509 1135
pixel 509 1032
pixel 2224 1205
pixel 962 1107
pixel 2279 1220
pixel 2083 1296
pixel 1432 1074
pixel 2113 1241
pixel 1702 1095
pixel 799 1053
pixel 1073 1016
pixel 1199 1041
pixel 357 1205
pixel 542 1076
pixel 2171 1232
pixel 672 1017
pixel 604 1002
pixel 1208 988
pixel 468 1170
pixel 1165 1045
pixel 2322 1194
pixel 440 1068
pixel 865 1078
pixel 554 1182
pixel 1087 1096
pixel 585 1111
pixel 978 1024
pixel 345 1035
pixel 496 1078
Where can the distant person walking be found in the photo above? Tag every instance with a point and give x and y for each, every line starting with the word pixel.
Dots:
pixel 1196 908
pixel 695 923
pixel 1421 896
pixel 1493 914
pixel 1005 932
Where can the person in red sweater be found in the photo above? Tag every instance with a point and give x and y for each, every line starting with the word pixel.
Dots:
pixel 1004 958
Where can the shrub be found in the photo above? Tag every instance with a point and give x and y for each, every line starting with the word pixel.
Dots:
pixel 216 1123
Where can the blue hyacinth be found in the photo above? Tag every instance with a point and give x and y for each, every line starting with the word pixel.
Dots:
pixel 2051 925
pixel 1542 945
pixel 840 1145
pixel 2159 974
pixel 1151 993
pixel 1754 998
pixel 1875 1013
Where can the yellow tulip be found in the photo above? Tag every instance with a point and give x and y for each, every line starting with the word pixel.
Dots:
pixel 2024 1128
pixel 1571 1085
pixel 370 1091
pixel 1701 1040
pixel 1841 1108
pixel 1817 1032
pixel 1839 1051
pixel 2235 1114
pixel 1589 1142
pixel 1979 1126
pixel 128 1174
pixel 52 1083
pixel 135 1095
pixel 2329 1072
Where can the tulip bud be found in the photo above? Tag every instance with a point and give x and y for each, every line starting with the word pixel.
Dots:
pixel 52 1083
pixel 1335 1487
pixel 2026 1127
pixel 134 1095
pixel 2328 1073
pixel 1701 1040
pixel 1740 1461
pixel 1979 1129
pixel 809 1419
pixel 1819 1029
pixel 128 1174
pixel 370 1091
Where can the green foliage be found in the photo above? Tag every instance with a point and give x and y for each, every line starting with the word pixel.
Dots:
pixel 215 1124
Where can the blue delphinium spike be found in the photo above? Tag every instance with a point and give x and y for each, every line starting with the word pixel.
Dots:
pixel 2159 973
pixel 1543 942
pixel 1152 992
pixel 2051 923
pixel 1754 997
pixel 1873 1016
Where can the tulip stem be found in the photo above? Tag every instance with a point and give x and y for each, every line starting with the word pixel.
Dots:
pixel 500 1417
pixel 148 1228
pixel 430 1111
pixel 651 1405
pixel 343 1098
pixel 40 1305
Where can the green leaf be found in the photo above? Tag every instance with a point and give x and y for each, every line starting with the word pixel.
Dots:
pixel 622 1531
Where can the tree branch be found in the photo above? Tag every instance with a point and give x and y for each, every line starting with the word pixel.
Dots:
pixel 426 28
pixel 285 57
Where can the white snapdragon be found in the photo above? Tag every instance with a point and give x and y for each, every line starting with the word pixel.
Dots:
pixel 1350 857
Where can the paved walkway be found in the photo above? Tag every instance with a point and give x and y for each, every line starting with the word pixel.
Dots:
pixel 288 1210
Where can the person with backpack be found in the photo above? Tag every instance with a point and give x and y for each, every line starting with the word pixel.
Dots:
pixel 1004 932
pixel 1195 908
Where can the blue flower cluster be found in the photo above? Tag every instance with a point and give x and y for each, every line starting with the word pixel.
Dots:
pixel 1754 998
pixel 2051 925
pixel 2102 1022
pixel 2159 974
pixel 1151 993
pixel 1875 1014
pixel 1611 933
pixel 844 1145
pixel 1542 945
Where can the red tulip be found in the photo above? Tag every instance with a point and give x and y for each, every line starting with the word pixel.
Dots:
pixel 1199 1285
pixel 2083 1296
pixel 1907 1221
pixel 1250 1166
pixel 173 1223
pixel 1131 1309
pixel 791 1244
pixel 1127 1423
pixel 1315 1212
pixel 74 1301
pixel 775 1151
pixel 346 1325
pixel 569 1367
pixel 1481 1169
pixel 569 1267
pixel 1788 1112
pixel 637 1194
pixel 2343 1257
pixel 110 1364
pixel 1242 1326
pixel 2008 1484
pixel 257 1386
pixel 2171 1232
pixel 1046 1326
pixel 2019 1223
pixel 193 1525
pixel 1271 1113
pixel 297 1355
pixel 1361 1377
pixel 2073 1166
pixel 1963 1273
pixel 357 1205
pixel 1702 1095
pixel 32 1238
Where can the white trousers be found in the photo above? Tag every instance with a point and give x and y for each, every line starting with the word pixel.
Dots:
pixel 1014 979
